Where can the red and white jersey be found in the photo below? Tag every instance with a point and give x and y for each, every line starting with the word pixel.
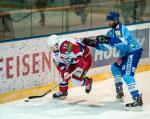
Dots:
pixel 69 49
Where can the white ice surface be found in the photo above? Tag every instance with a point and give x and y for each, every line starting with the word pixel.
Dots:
pixel 99 104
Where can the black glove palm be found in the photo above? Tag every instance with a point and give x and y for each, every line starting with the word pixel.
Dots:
pixel 89 42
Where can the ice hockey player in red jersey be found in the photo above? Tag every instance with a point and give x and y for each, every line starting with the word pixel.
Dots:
pixel 68 55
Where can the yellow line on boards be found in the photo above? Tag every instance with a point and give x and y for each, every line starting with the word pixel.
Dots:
pixel 106 75
pixel 16 95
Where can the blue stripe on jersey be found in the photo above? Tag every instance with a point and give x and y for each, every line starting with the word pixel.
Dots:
pixel 129 65
pixel 81 46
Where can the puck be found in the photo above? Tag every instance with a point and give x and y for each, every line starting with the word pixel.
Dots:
pixel 26 100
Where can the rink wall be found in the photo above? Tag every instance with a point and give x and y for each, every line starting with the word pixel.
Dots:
pixel 26 65
pixel 102 60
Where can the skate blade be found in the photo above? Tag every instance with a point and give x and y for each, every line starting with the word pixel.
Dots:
pixel 138 108
pixel 60 98
pixel 63 97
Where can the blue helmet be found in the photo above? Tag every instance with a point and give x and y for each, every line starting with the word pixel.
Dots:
pixel 113 16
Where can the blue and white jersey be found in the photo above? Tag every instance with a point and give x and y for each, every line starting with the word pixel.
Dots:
pixel 123 40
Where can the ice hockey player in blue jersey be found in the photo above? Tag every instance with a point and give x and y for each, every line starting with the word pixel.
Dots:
pixel 129 50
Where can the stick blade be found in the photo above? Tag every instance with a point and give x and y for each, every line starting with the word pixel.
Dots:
pixel 32 97
pixel 39 96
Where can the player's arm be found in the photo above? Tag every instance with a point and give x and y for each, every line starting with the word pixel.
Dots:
pixel 99 43
pixel 99 39
pixel 77 58
pixel 123 45
pixel 81 63
pixel 103 39
pixel 89 42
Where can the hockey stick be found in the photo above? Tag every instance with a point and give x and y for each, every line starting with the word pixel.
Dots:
pixel 51 89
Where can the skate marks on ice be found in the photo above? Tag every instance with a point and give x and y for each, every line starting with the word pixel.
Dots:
pixel 101 102
pixel 74 105
pixel 78 104
pixel 76 101
pixel 47 107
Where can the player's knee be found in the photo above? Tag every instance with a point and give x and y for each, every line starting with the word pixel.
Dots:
pixel 128 79
pixel 115 70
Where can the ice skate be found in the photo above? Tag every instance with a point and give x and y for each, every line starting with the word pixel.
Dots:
pixel 120 96
pixel 136 105
pixel 89 85
pixel 60 94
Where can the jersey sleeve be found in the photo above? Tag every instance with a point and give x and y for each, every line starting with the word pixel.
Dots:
pixel 125 33
pixel 118 37
pixel 77 49
pixel 72 49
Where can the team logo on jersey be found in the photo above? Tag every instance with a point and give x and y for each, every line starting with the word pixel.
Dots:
pixel 65 47
pixel 118 34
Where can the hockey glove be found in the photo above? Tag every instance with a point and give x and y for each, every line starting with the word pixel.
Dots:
pixel 89 42
pixel 102 39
